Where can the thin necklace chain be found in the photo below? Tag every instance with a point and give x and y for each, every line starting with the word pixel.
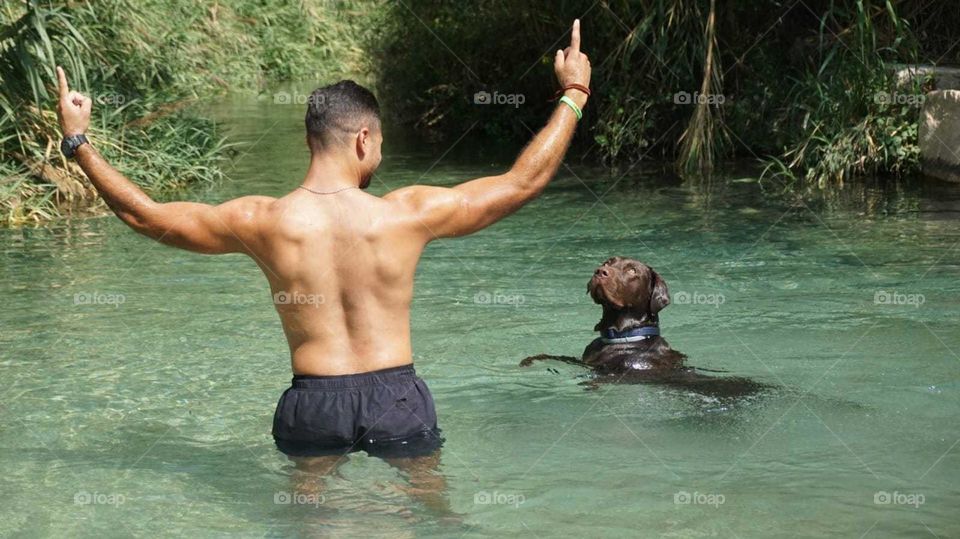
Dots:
pixel 327 193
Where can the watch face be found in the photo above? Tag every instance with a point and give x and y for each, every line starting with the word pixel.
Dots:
pixel 70 144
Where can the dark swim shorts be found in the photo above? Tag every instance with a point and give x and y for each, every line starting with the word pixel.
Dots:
pixel 387 413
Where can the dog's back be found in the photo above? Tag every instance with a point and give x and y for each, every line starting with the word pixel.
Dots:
pixel 652 356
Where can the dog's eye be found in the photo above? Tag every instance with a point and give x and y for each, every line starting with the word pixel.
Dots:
pixel 632 271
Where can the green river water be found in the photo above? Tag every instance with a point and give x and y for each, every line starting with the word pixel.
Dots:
pixel 139 382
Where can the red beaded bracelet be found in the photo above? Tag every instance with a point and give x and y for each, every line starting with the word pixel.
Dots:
pixel 573 86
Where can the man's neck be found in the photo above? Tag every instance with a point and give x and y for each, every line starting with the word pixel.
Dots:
pixel 328 173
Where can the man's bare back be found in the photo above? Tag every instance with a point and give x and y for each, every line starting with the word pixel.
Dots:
pixel 341 262
pixel 347 310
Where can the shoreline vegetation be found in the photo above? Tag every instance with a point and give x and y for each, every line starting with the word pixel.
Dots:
pixel 806 90
pixel 144 62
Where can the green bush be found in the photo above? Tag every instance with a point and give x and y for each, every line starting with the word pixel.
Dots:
pixel 797 80
pixel 143 62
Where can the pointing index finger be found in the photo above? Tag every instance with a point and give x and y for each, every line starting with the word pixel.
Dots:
pixel 575 36
pixel 62 78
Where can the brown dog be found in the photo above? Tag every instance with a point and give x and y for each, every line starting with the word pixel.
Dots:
pixel 630 348
pixel 631 295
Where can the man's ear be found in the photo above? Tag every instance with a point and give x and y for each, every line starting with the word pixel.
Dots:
pixel 364 142
pixel 660 296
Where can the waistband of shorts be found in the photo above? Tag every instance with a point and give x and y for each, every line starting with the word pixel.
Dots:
pixel 342 381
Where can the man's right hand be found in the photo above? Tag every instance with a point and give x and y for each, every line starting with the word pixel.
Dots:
pixel 441 212
pixel 573 67
pixel 73 108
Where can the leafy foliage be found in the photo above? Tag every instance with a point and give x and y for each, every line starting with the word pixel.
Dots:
pixel 143 62
pixel 691 81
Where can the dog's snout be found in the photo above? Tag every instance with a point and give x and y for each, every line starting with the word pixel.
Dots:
pixel 602 272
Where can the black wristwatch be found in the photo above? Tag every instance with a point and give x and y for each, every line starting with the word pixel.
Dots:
pixel 70 144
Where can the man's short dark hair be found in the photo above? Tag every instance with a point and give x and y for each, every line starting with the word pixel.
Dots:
pixel 339 110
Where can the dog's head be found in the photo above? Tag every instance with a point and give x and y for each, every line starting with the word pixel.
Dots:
pixel 628 286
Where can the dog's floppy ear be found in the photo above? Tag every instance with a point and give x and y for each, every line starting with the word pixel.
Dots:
pixel 659 296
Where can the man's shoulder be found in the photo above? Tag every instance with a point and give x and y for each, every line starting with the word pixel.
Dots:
pixel 247 209
pixel 256 200
pixel 417 198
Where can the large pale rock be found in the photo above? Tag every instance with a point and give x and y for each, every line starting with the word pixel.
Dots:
pixel 940 135
pixel 944 78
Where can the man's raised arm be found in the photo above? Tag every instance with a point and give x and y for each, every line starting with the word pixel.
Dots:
pixel 196 227
pixel 471 206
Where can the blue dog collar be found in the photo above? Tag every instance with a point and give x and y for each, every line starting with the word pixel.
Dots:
pixel 612 336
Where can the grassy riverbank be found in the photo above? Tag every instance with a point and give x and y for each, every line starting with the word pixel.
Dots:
pixel 144 62
pixel 799 86
pixel 805 88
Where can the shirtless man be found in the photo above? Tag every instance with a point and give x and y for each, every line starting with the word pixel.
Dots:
pixel 355 254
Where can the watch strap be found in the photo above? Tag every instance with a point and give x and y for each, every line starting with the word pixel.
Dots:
pixel 71 143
